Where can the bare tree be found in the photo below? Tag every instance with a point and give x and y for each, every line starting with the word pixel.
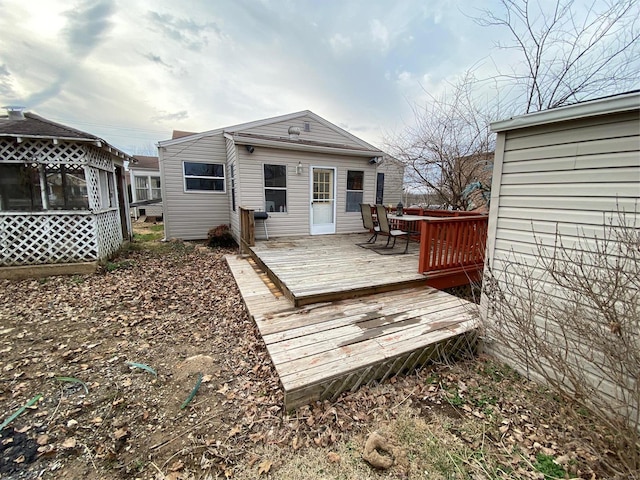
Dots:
pixel 449 147
pixel 571 317
pixel 569 52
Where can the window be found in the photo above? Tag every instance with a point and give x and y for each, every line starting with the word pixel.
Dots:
pixel 233 187
pixel 380 188
pixel 275 188
pixel 355 194
pixel 35 187
pixel 147 188
pixel 142 188
pixel 156 191
pixel 204 177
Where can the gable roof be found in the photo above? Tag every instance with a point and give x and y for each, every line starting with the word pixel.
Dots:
pixel 145 161
pixel 267 121
pixel 300 144
pixel 37 127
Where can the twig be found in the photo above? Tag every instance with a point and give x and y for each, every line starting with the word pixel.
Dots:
pixel 190 429
pixel 159 471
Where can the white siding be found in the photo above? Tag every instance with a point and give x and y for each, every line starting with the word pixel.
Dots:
pixel 568 177
pixel 296 220
pixel 319 131
pixel 190 215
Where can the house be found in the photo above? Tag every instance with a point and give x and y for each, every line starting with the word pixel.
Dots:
pixel 62 195
pixel 561 178
pixel 308 174
pixel 144 181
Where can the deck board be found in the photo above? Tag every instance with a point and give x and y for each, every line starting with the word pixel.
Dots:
pixel 322 349
pixel 331 267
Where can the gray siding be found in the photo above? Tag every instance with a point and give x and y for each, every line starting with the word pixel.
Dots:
pixel 232 163
pixel 190 215
pixel 393 180
pixel 567 177
pixel 319 131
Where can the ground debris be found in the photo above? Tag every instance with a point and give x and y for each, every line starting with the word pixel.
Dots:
pixel 177 310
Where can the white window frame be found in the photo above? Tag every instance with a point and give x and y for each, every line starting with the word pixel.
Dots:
pixel 223 178
pixel 148 187
pixel 265 188
pixel 346 203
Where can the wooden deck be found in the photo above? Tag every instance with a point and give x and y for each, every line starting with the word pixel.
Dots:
pixel 323 349
pixel 335 267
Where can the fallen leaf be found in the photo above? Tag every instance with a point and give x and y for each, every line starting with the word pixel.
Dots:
pixel 26 428
pixel 120 433
pixel 234 431
pixel 42 439
pixel 69 443
pixel 264 467
pixel 176 466
pixel 20 459
pixel 333 457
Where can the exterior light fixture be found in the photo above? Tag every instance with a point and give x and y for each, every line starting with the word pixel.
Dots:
pixel 249 148
pixel 299 168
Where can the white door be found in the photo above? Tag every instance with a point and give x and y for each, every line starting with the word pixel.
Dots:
pixel 323 200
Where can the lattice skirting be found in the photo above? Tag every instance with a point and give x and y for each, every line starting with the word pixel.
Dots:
pixel 60 238
pixel 109 233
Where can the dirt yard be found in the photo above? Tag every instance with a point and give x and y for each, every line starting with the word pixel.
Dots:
pixel 116 356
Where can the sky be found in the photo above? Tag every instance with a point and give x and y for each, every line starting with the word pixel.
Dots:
pixel 132 71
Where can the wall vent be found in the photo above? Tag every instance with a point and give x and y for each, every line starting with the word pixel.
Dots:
pixel 307 127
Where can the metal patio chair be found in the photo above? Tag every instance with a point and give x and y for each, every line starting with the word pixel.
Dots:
pixel 368 222
pixel 385 228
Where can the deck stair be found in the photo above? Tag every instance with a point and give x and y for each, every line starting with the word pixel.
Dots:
pixel 323 349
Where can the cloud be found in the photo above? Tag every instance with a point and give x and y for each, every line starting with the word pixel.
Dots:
pixel 340 43
pixel 171 117
pixel 379 34
pixel 87 24
pixel 6 88
pixel 156 59
pixel 184 30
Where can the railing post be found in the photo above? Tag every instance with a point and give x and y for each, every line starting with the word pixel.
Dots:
pixel 247 229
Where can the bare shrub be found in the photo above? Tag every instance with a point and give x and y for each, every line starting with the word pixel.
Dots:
pixel 569 315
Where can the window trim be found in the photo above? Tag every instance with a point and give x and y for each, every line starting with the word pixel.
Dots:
pixel 285 188
pixel 191 190
pixel 347 190
pixel 148 188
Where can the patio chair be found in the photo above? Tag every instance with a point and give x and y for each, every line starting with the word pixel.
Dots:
pixel 368 222
pixel 385 228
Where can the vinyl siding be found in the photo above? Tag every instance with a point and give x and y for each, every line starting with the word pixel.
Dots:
pixel 232 162
pixel 296 220
pixel 569 177
pixel 319 131
pixel 393 181
pixel 190 215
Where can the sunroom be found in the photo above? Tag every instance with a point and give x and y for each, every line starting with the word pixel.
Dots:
pixel 61 198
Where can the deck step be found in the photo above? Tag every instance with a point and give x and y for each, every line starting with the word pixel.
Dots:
pixel 322 350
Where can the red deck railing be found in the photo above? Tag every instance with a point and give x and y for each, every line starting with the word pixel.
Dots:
pixel 453 245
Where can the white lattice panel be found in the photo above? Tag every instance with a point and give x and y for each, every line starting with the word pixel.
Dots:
pixel 99 159
pixel 42 151
pixel 93 188
pixel 109 232
pixel 41 239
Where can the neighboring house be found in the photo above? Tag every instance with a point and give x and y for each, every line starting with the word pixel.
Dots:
pixel 146 193
pixel 308 174
pixel 567 170
pixel 61 193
